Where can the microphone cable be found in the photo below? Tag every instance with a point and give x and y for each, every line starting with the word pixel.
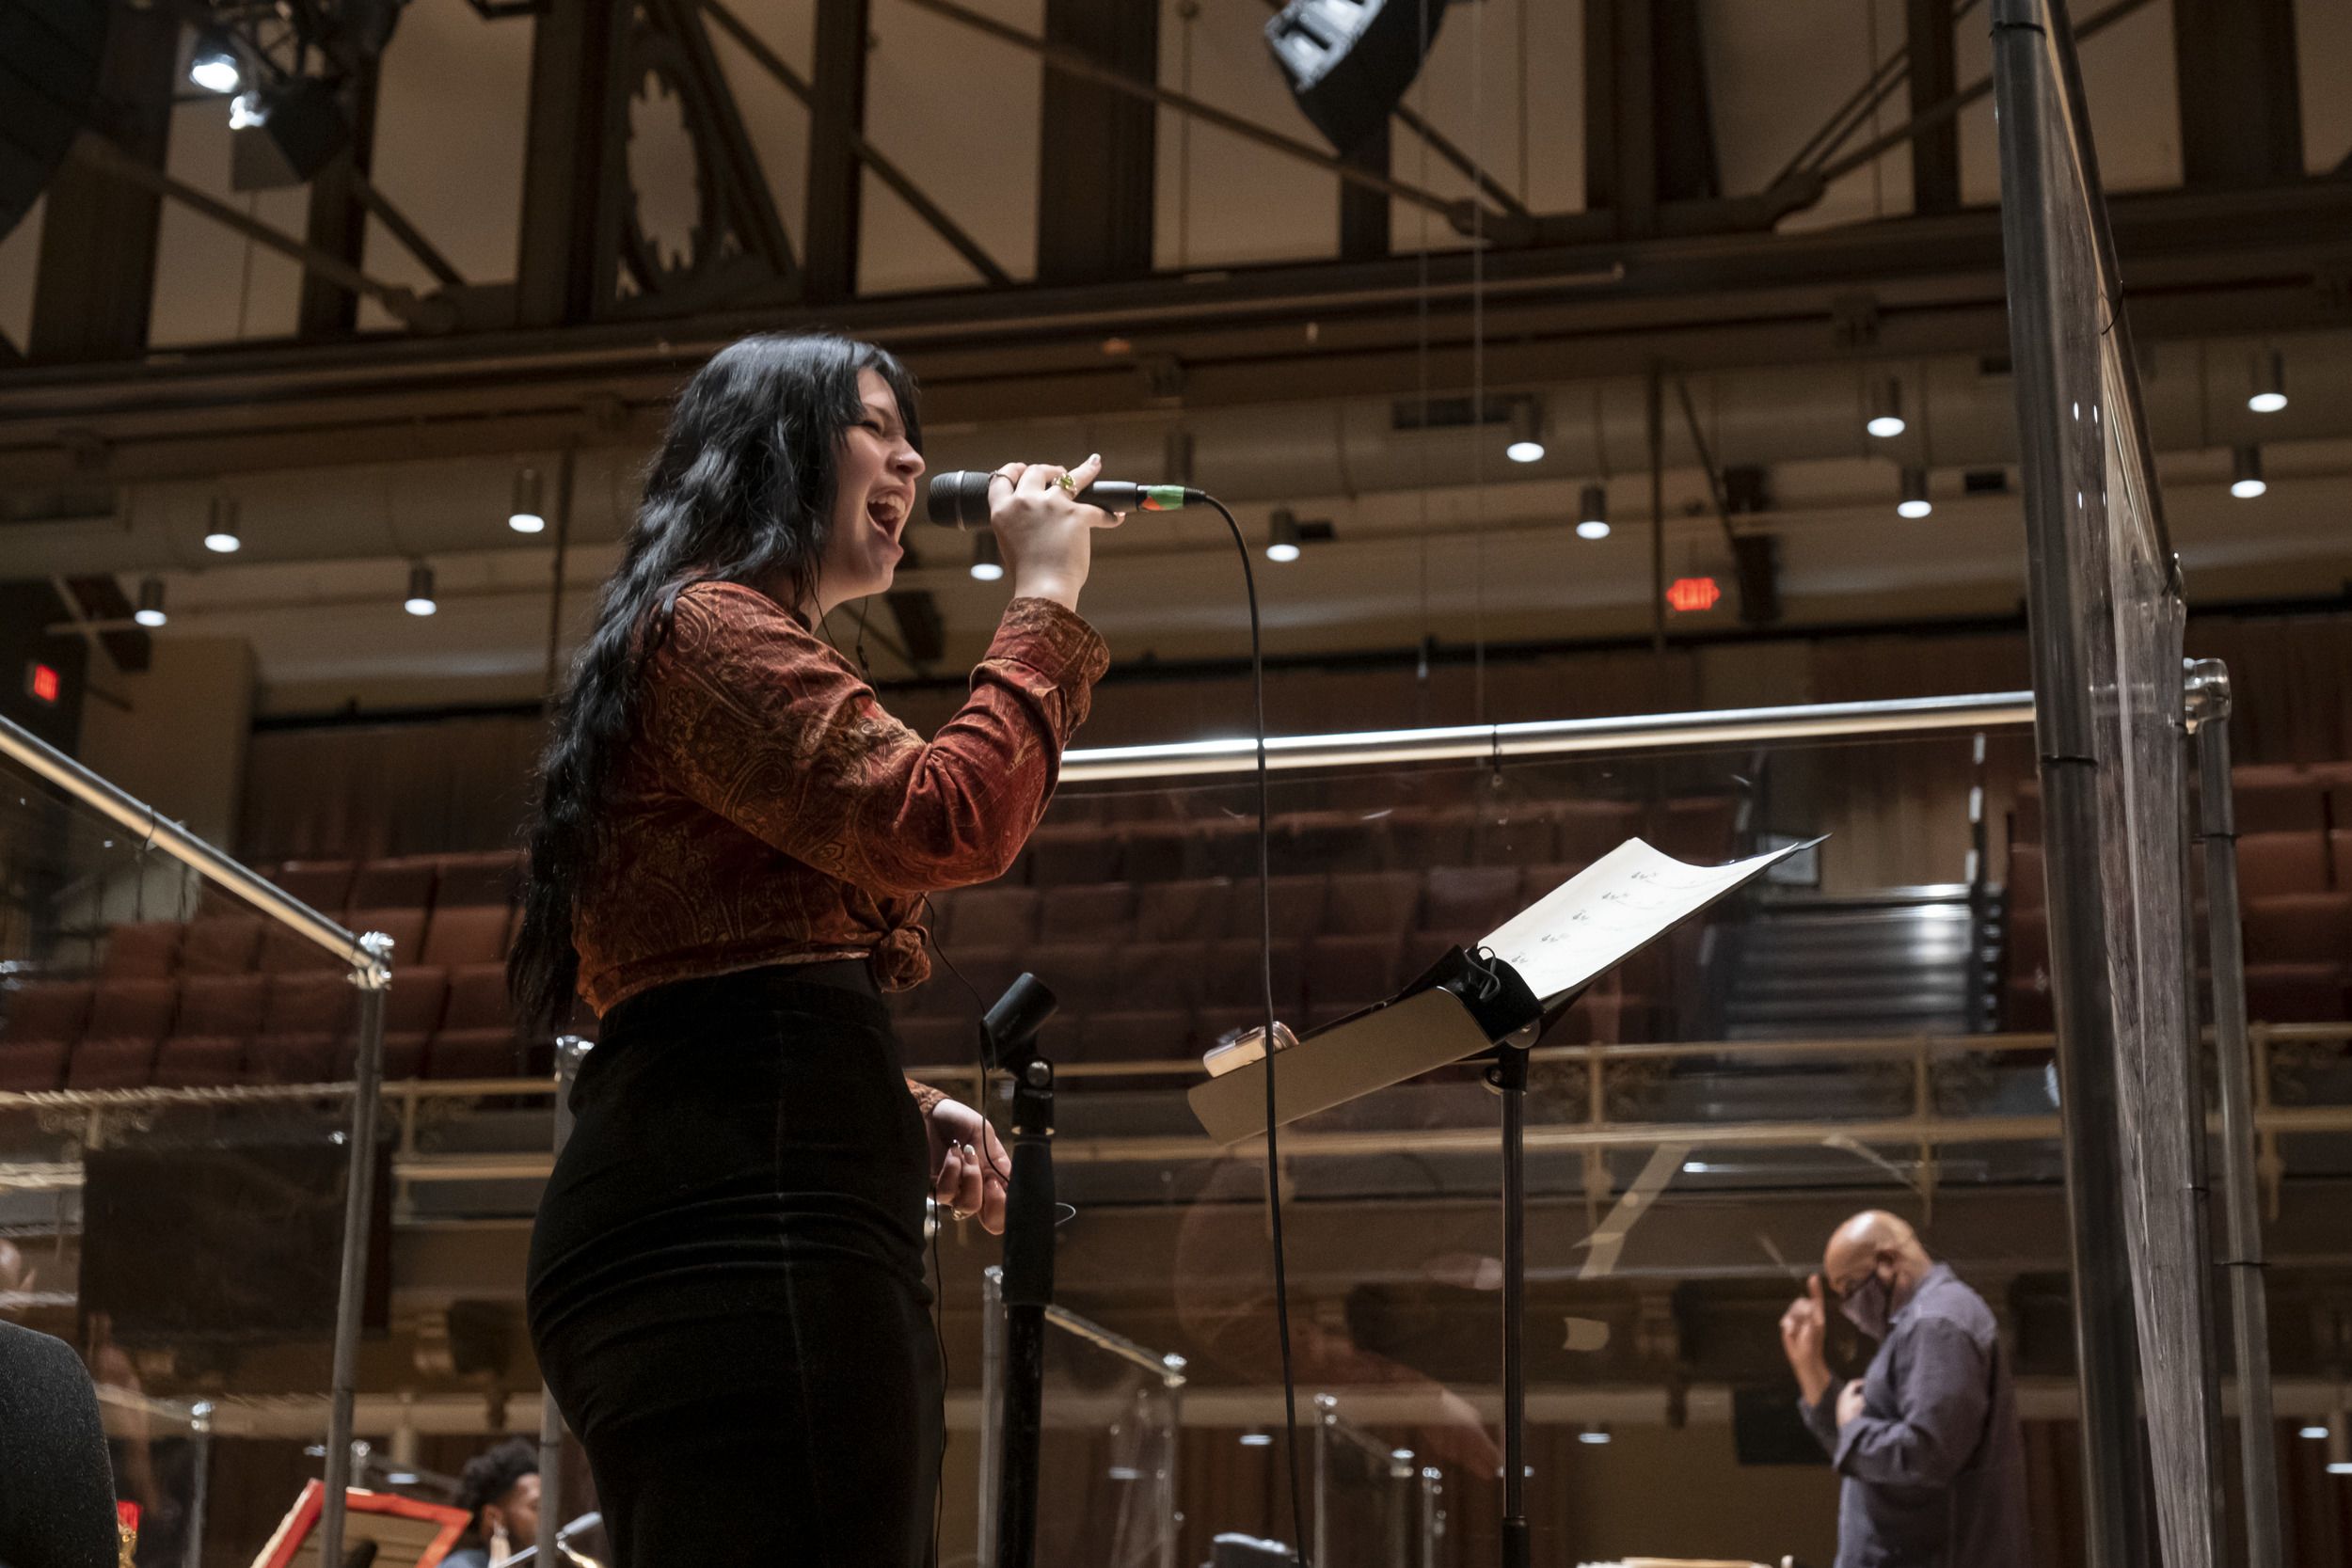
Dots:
pixel 1265 978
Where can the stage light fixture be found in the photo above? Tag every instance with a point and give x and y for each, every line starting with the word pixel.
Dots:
pixel 1282 535
pixel 524 515
pixel 1349 61
pixel 2338 1446
pixel 1527 432
pixel 1914 502
pixel 2246 472
pixel 420 600
pixel 220 527
pixel 150 610
pixel 245 112
pixel 1887 409
pixel 1592 514
pixel 1595 1436
pixel 988 561
pixel 2316 1433
pixel 214 66
pixel 1257 1439
pixel 2270 383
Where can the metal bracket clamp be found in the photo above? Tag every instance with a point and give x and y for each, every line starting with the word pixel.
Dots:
pixel 2205 689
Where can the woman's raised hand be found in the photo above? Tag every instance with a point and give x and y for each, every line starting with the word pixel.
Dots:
pixel 1046 536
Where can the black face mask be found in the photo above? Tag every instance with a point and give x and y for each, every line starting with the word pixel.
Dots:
pixel 1869 1306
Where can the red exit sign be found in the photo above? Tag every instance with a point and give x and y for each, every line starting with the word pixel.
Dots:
pixel 1685 595
pixel 42 683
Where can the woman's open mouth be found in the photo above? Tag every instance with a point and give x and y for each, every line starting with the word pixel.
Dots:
pixel 888 513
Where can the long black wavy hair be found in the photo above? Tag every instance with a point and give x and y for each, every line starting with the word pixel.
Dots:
pixel 741 491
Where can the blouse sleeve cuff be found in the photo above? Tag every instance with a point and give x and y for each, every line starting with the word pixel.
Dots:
pixel 1053 640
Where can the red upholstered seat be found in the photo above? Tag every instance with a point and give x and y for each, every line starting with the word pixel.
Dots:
pixel 1104 913
pixel 1516 832
pixel 1422 836
pixel 1298 906
pixel 1157 976
pixel 1083 975
pixel 1193 910
pixel 33 1065
pixel 1587 829
pixel 324 885
pixel 220 945
pixel 464 934
pixel 1346 973
pixel 1136 1036
pixel 310 1005
pixel 2270 864
pixel 132 1010
pixel 221 1005
pixel 198 1061
pixel 478 998
pixel 2279 799
pixel 1371 903
pixel 937 1041
pixel 1540 881
pixel 1463 903
pixel 1700 829
pixel 1227 847
pixel 402 883
pixel 474 1053
pixel 47 1012
pixel 414 1003
pixel 490 877
pixel 2296 993
pixel 2299 927
pixel 307 1058
pixel 1065 854
pixel 993 917
pixel 1332 841
pixel 1160 851
pixel 142 950
pixel 1235 977
pixel 404 1054
pixel 114 1063
pixel 2027 888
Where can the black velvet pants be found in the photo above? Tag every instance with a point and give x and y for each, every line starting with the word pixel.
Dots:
pixel 726 1287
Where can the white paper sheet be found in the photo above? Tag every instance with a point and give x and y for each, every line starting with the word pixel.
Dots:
pixel 1614 907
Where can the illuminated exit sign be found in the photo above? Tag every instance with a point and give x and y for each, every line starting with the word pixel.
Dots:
pixel 1686 595
pixel 40 682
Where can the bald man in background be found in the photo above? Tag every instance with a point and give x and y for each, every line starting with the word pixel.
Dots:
pixel 1928 1439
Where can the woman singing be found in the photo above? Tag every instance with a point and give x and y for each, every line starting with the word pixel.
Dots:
pixel 727 1285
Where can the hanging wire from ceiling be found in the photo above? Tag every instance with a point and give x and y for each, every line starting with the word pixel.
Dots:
pixel 1478 367
pixel 1420 366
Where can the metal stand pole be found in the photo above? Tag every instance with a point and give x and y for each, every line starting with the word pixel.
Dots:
pixel 991 1406
pixel 570 1049
pixel 1326 1411
pixel 358 1199
pixel 1172 1382
pixel 200 1446
pixel 2242 1251
pixel 1509 1075
pixel 1028 1289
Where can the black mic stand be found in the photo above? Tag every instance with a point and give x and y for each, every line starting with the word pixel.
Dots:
pixel 1009 1043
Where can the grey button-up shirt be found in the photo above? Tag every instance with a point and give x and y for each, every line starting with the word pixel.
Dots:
pixel 1935 1465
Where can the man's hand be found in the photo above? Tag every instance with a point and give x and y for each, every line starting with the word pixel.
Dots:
pixel 1848 1404
pixel 1804 1329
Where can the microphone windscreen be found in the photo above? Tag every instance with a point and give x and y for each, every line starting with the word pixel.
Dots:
pixel 57 1482
pixel 958 500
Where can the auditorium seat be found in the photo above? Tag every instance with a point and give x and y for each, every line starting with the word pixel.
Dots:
pixel 310 1005
pixel 220 945
pixel 404 1055
pixel 1159 976
pixel 1192 910
pixel 221 1005
pixel 1346 973
pixel 1587 829
pixel 463 934
pixel 1538 883
pixel 2340 842
pixel 415 1003
pixel 1297 903
pixel 2278 799
pixel 1422 836
pixel 477 999
pixel 1136 1036
pixel 132 1010
pixel 2269 864
pixel 33 1065
pixel 1234 977
pixel 199 1062
pixel 1517 834
pixel 1332 841
pixel 1083 975
pixel 2296 993
pixel 48 1012
pixel 142 950
pixel 492 876
pixel 1073 853
pixel 993 917
pixel 1104 913
pixel 117 1062
pixel 1702 830
pixel 1227 847
pixel 324 885
pixel 1463 903
pixel 301 1059
pixel 1371 903
pixel 405 882
pixel 2024 818
pixel 2299 927
pixel 1214 1026
pixel 1160 851
pixel 987 971
pixel 486 1053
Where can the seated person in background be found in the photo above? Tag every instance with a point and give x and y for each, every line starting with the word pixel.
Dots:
pixel 1928 1440
pixel 499 1488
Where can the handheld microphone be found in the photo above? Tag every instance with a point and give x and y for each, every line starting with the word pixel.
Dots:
pixel 960 500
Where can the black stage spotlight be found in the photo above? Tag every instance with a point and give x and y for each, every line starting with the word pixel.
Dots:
pixel 285 134
pixel 1348 61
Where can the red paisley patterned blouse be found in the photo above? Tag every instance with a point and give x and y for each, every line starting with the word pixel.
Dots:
pixel 770 812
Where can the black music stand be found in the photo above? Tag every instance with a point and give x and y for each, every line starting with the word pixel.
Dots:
pixel 1466 1004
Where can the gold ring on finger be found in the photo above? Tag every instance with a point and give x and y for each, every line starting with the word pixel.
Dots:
pixel 1069 483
